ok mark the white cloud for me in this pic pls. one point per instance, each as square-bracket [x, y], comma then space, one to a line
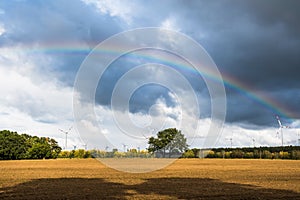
[89, 125]
[43, 100]
[295, 124]
[32, 103]
[2, 30]
[170, 23]
[117, 8]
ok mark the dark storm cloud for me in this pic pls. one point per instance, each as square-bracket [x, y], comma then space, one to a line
[248, 112]
[266, 58]
[258, 43]
[270, 12]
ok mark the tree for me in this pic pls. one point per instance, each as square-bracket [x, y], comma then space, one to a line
[188, 154]
[39, 151]
[55, 148]
[12, 146]
[79, 153]
[170, 141]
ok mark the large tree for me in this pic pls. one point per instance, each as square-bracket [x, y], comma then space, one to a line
[169, 141]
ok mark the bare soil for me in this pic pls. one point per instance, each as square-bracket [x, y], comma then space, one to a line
[184, 179]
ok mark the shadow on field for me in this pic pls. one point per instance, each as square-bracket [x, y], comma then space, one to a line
[155, 188]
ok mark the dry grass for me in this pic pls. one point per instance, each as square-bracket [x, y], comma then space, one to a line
[184, 179]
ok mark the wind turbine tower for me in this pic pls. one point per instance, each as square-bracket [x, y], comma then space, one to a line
[253, 140]
[124, 147]
[280, 129]
[85, 146]
[230, 139]
[66, 132]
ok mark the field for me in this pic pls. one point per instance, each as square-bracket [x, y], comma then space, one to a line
[184, 179]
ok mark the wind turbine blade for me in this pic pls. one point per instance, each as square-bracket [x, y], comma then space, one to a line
[279, 122]
[146, 137]
[63, 131]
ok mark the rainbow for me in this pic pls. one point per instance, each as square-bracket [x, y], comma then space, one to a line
[234, 83]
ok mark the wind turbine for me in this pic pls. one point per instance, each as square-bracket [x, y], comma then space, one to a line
[85, 146]
[253, 140]
[146, 137]
[66, 132]
[124, 147]
[230, 142]
[280, 129]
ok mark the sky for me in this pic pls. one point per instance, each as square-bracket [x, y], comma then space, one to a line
[255, 46]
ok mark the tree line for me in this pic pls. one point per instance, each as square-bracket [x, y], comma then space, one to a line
[168, 143]
[286, 152]
[14, 146]
[226, 153]
[95, 153]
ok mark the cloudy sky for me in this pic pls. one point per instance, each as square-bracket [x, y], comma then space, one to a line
[254, 44]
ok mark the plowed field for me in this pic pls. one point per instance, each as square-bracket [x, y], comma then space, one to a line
[184, 179]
